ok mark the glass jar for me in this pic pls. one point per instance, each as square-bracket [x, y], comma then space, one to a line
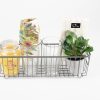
[10, 65]
[29, 43]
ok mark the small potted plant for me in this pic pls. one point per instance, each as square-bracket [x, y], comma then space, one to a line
[76, 48]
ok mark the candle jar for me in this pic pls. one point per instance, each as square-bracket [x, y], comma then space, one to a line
[10, 65]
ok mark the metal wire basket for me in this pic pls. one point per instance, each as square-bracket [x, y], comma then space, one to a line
[48, 63]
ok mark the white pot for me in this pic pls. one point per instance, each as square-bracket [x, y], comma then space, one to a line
[75, 67]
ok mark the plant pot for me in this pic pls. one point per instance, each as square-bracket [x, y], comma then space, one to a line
[75, 66]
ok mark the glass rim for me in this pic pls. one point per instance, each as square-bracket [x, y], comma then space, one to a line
[5, 42]
[56, 40]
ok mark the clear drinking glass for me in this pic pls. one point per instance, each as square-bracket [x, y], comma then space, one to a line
[10, 65]
[51, 49]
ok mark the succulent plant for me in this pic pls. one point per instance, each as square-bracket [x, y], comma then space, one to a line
[76, 46]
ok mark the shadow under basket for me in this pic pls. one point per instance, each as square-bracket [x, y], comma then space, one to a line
[44, 65]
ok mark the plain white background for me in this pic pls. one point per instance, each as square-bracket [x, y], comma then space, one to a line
[51, 14]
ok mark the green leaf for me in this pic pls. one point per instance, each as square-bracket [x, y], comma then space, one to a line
[68, 32]
[81, 43]
[88, 49]
[69, 39]
[67, 52]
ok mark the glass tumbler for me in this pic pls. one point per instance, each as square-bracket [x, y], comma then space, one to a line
[29, 43]
[10, 65]
[51, 50]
